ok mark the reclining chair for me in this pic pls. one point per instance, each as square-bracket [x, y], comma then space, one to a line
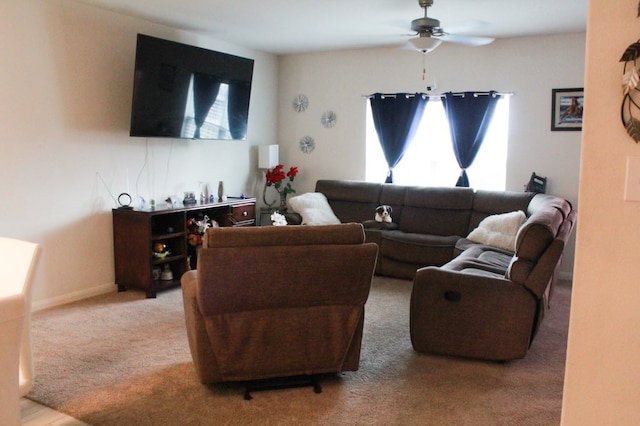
[278, 302]
[491, 309]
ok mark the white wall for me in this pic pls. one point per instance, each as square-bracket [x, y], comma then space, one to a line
[66, 74]
[530, 67]
[603, 374]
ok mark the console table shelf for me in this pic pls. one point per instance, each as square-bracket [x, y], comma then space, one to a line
[135, 231]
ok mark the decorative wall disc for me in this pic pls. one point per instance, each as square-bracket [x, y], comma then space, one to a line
[300, 103]
[328, 119]
[307, 144]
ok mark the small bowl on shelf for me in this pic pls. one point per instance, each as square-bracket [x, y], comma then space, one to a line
[161, 255]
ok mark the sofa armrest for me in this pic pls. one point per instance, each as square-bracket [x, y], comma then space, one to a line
[199, 344]
[536, 277]
[372, 224]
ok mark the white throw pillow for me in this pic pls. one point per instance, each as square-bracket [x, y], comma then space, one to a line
[314, 209]
[499, 230]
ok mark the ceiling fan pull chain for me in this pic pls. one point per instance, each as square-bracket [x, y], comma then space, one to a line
[424, 67]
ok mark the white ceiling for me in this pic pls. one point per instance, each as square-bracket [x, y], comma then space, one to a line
[295, 26]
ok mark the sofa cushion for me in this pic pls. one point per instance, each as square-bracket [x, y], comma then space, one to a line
[499, 230]
[393, 195]
[487, 203]
[420, 249]
[351, 201]
[347, 190]
[437, 211]
[484, 258]
[314, 209]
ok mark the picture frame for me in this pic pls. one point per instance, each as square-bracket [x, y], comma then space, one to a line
[567, 106]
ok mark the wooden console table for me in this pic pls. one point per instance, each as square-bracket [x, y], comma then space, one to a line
[136, 231]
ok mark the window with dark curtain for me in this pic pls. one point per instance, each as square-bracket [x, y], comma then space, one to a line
[205, 92]
[469, 115]
[238, 109]
[396, 118]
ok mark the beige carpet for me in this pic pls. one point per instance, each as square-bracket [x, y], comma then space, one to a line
[121, 359]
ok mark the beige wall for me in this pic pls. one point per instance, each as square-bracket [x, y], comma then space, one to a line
[66, 111]
[602, 385]
[66, 74]
[530, 67]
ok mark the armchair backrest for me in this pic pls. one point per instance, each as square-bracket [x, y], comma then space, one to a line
[300, 290]
[351, 233]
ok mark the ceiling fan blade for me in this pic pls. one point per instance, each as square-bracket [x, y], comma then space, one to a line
[467, 40]
[468, 27]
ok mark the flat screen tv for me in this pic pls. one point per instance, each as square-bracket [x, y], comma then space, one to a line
[187, 92]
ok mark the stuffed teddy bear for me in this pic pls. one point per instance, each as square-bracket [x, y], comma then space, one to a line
[383, 214]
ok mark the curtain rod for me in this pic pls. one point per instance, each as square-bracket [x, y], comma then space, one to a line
[426, 95]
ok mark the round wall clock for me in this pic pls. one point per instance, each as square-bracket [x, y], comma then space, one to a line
[307, 144]
[328, 119]
[300, 103]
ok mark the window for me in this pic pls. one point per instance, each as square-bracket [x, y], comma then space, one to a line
[216, 124]
[430, 161]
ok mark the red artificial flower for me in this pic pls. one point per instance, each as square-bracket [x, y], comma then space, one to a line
[277, 175]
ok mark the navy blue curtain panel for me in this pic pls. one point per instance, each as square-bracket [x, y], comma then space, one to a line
[205, 92]
[396, 118]
[237, 109]
[469, 115]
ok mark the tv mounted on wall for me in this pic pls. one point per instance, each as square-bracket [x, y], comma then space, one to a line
[187, 92]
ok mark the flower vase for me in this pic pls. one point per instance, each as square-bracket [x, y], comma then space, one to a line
[283, 202]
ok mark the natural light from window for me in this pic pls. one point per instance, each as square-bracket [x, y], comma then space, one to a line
[430, 161]
[216, 124]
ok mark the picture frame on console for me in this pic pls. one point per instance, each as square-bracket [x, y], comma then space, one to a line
[567, 106]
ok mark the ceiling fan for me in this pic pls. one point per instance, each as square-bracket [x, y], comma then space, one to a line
[430, 34]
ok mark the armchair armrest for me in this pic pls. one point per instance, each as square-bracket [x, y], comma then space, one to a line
[201, 351]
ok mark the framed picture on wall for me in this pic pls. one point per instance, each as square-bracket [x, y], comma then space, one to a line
[566, 109]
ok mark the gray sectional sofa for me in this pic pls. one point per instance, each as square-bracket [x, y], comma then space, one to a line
[469, 299]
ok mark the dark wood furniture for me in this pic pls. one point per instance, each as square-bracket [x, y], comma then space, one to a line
[136, 231]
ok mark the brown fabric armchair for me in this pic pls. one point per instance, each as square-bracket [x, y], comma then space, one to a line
[283, 301]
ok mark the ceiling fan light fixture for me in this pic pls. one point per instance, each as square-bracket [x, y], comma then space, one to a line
[425, 44]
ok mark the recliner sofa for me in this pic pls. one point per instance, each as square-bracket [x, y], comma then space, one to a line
[469, 299]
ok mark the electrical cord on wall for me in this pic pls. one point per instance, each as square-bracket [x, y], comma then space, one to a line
[166, 176]
[107, 188]
[126, 195]
[144, 166]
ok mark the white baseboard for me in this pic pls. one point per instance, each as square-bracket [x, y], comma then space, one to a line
[108, 288]
[72, 297]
